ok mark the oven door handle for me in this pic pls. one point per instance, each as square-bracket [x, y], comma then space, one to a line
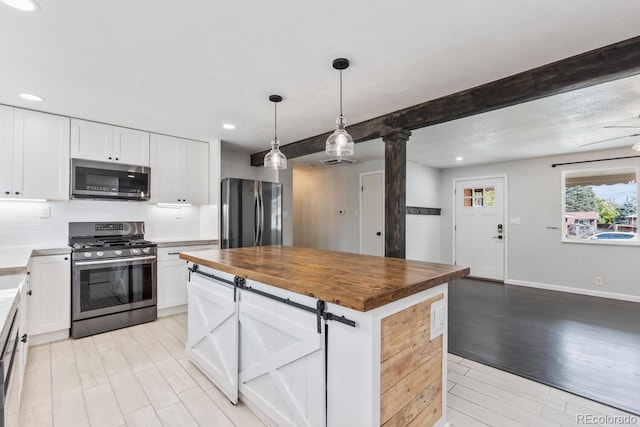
[115, 261]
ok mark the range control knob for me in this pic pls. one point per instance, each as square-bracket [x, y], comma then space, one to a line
[118, 252]
[146, 250]
[135, 251]
[87, 254]
[99, 253]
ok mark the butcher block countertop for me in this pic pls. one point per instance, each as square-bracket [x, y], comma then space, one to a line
[359, 282]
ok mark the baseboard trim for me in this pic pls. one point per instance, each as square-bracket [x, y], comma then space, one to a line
[170, 311]
[48, 337]
[588, 292]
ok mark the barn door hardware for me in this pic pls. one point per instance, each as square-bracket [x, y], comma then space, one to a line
[319, 310]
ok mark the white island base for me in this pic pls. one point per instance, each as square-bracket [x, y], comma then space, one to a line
[390, 369]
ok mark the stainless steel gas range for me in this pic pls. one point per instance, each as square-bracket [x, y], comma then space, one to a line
[113, 276]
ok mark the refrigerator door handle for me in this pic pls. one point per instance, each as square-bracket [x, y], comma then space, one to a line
[256, 213]
[261, 214]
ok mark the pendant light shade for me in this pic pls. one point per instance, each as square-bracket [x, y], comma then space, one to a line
[275, 159]
[340, 142]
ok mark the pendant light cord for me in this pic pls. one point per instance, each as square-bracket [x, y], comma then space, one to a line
[275, 120]
[341, 93]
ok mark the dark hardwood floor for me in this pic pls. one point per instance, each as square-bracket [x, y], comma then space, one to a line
[585, 345]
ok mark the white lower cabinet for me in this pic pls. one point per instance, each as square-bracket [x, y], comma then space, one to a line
[277, 367]
[384, 366]
[50, 298]
[212, 342]
[14, 392]
[172, 279]
[282, 365]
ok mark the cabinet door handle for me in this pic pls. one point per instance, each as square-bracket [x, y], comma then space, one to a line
[24, 338]
[173, 253]
[17, 192]
[7, 192]
[117, 158]
[29, 292]
[109, 158]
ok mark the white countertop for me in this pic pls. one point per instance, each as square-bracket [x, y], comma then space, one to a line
[14, 259]
[9, 291]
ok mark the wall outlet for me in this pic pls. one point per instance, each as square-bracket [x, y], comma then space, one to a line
[599, 281]
[438, 318]
[45, 212]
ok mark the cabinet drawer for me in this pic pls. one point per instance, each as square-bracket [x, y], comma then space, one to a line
[173, 253]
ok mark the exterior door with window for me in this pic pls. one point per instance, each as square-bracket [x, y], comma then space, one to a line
[479, 227]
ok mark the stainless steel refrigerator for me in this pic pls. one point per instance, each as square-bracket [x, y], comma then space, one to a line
[250, 213]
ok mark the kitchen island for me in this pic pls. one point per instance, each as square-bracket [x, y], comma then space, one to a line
[313, 337]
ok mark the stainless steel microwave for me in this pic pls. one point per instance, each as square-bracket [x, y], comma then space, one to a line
[104, 180]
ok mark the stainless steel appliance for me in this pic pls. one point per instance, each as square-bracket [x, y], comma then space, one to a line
[104, 180]
[9, 338]
[251, 213]
[113, 276]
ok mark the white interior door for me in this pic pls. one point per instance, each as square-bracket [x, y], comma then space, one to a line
[479, 227]
[372, 213]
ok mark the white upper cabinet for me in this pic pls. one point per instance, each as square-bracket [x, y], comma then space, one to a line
[106, 143]
[179, 170]
[34, 155]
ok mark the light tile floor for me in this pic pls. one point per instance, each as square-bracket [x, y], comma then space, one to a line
[140, 376]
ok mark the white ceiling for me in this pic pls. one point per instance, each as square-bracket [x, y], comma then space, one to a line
[186, 67]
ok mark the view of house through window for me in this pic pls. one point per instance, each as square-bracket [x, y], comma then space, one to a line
[601, 205]
[479, 197]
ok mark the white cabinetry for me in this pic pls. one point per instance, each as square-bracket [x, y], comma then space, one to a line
[106, 143]
[50, 299]
[172, 279]
[34, 155]
[279, 358]
[282, 361]
[179, 170]
[212, 343]
[13, 394]
[24, 328]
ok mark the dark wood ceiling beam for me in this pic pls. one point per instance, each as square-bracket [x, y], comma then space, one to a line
[586, 69]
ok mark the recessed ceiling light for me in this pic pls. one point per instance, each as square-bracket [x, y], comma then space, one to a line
[459, 159]
[24, 5]
[229, 126]
[31, 97]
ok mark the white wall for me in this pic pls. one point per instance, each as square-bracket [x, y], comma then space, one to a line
[423, 231]
[321, 192]
[536, 256]
[318, 195]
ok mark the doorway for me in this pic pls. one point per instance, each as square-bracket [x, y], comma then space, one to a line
[372, 213]
[479, 228]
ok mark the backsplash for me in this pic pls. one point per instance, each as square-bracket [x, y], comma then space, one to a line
[27, 223]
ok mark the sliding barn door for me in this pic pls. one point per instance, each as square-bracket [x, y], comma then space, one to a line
[212, 342]
[282, 362]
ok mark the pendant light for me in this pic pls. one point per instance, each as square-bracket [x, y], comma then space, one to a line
[275, 159]
[340, 142]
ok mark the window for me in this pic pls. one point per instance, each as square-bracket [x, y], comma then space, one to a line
[601, 205]
[479, 197]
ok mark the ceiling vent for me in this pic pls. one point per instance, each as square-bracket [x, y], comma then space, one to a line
[337, 161]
